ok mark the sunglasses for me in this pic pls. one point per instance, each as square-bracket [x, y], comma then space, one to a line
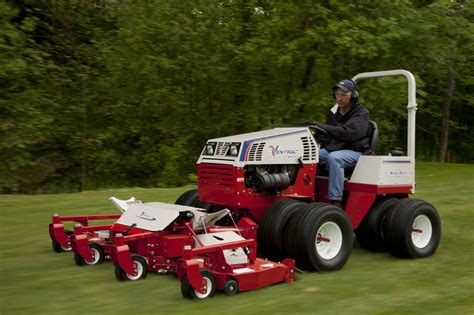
[342, 94]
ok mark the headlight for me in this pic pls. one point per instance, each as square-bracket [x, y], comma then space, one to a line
[234, 149]
[210, 148]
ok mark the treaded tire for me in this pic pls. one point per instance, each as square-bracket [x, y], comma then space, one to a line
[319, 237]
[294, 246]
[413, 229]
[188, 291]
[369, 233]
[191, 198]
[273, 225]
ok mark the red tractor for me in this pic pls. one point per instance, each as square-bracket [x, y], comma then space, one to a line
[273, 177]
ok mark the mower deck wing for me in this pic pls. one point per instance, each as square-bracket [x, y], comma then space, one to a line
[203, 220]
[123, 205]
[149, 217]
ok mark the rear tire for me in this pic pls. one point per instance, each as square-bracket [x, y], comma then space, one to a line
[413, 229]
[369, 233]
[272, 227]
[191, 198]
[319, 237]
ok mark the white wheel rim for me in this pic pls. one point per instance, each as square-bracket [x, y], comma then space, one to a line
[421, 231]
[68, 246]
[208, 289]
[328, 240]
[138, 267]
[95, 257]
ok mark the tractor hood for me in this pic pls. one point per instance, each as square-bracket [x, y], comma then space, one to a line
[274, 146]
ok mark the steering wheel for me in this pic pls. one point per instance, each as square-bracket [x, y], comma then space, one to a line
[321, 135]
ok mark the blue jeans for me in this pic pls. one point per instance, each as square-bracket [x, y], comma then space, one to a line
[336, 161]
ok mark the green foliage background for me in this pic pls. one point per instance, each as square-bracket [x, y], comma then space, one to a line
[106, 93]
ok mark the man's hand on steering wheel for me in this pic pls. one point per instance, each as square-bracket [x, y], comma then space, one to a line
[321, 135]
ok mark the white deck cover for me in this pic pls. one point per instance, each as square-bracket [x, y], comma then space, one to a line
[156, 216]
[232, 256]
[152, 217]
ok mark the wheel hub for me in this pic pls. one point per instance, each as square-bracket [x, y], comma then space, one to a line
[421, 231]
[205, 289]
[328, 240]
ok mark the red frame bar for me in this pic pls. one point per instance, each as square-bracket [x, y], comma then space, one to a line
[56, 227]
[379, 189]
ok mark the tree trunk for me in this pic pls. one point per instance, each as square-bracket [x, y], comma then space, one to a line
[84, 149]
[310, 60]
[445, 118]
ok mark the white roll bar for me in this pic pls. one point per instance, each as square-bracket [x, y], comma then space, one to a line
[411, 101]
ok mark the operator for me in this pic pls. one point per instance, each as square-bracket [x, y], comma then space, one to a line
[347, 125]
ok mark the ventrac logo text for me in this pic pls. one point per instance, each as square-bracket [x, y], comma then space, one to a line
[281, 151]
[145, 216]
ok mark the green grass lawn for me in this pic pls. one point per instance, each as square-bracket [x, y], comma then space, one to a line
[36, 280]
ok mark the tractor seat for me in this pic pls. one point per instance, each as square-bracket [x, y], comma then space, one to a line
[373, 142]
[373, 137]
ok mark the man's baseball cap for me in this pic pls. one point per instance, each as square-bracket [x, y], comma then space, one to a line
[346, 86]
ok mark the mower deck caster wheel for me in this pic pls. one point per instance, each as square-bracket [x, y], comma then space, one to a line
[139, 264]
[209, 281]
[58, 248]
[98, 256]
[231, 287]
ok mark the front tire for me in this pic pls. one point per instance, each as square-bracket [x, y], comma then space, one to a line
[191, 198]
[272, 227]
[319, 236]
[413, 229]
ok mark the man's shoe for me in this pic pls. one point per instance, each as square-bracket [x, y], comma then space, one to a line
[337, 203]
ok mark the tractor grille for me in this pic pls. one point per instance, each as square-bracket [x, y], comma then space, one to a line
[309, 146]
[215, 174]
[256, 150]
[221, 148]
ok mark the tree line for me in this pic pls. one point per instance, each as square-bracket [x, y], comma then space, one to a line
[116, 93]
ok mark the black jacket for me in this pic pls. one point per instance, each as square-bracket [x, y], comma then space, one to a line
[350, 131]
